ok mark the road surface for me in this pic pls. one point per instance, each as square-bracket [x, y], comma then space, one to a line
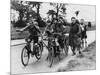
[42, 65]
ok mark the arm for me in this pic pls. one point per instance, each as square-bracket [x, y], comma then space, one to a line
[25, 28]
[21, 30]
[37, 29]
[79, 29]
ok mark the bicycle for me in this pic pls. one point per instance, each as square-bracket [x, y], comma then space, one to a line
[27, 51]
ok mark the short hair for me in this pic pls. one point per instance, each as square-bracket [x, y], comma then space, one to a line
[82, 19]
[73, 18]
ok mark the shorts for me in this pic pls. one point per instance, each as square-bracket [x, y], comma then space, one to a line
[84, 35]
[74, 41]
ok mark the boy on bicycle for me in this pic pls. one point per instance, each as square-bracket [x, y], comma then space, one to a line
[32, 27]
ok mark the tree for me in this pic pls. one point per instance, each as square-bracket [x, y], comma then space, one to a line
[25, 10]
[18, 6]
[63, 10]
[59, 8]
[37, 6]
[51, 13]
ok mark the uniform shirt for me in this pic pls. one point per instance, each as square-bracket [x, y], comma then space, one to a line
[58, 27]
[83, 27]
[33, 30]
[74, 28]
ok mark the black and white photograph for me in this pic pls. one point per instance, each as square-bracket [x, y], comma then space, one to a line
[52, 37]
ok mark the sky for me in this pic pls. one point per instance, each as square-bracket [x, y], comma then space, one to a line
[87, 12]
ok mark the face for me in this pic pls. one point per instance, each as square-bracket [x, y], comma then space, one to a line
[82, 20]
[55, 21]
[54, 16]
[73, 20]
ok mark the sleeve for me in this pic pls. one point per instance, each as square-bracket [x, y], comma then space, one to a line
[37, 29]
[79, 29]
[26, 27]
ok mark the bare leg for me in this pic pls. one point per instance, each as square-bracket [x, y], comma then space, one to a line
[73, 50]
[82, 43]
[79, 50]
[86, 43]
[66, 50]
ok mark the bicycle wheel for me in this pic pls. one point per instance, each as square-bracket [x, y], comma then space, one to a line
[38, 52]
[25, 56]
[41, 46]
[66, 46]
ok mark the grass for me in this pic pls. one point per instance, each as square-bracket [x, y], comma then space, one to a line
[86, 62]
